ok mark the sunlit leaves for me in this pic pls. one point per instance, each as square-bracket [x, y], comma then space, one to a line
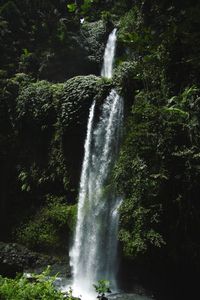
[72, 7]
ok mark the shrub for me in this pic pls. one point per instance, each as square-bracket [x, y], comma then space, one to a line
[35, 103]
[51, 227]
[102, 287]
[39, 287]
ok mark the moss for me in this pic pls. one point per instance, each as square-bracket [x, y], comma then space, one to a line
[94, 37]
[77, 95]
[126, 79]
[51, 227]
[35, 103]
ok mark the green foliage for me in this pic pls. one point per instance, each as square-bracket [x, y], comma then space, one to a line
[153, 38]
[28, 63]
[23, 177]
[36, 110]
[34, 26]
[157, 172]
[126, 78]
[94, 35]
[76, 97]
[38, 287]
[86, 5]
[38, 118]
[106, 16]
[49, 227]
[149, 55]
[72, 7]
[35, 102]
[130, 24]
[43, 123]
[70, 295]
[102, 287]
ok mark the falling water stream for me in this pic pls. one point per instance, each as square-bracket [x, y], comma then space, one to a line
[109, 55]
[93, 255]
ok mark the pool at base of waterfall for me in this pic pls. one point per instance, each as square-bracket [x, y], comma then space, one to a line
[139, 292]
[130, 296]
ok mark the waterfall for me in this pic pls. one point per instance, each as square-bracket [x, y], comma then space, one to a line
[109, 55]
[93, 255]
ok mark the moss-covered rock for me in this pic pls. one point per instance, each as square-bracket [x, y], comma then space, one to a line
[80, 53]
[43, 103]
[73, 103]
[49, 122]
[76, 96]
[125, 79]
[94, 35]
[35, 103]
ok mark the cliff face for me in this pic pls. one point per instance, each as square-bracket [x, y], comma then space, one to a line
[43, 123]
[48, 126]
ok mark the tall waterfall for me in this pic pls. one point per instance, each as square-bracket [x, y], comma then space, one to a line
[93, 255]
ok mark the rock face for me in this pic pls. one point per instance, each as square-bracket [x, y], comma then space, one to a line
[15, 258]
[58, 111]
[82, 54]
[76, 97]
[74, 100]
[94, 35]
[49, 125]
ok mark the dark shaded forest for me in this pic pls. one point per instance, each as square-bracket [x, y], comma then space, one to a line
[49, 75]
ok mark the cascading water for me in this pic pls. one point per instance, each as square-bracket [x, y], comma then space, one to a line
[93, 255]
[109, 55]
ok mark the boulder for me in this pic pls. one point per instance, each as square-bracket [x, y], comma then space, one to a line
[15, 258]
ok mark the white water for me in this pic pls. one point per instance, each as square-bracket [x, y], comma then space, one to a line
[109, 55]
[93, 255]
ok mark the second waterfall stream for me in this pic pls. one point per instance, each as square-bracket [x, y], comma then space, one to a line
[94, 250]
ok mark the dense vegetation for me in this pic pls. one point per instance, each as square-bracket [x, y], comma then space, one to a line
[43, 117]
[36, 287]
[158, 166]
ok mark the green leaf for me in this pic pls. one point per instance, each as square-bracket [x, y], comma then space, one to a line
[72, 7]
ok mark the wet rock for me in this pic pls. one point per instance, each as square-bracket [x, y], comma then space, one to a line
[15, 258]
